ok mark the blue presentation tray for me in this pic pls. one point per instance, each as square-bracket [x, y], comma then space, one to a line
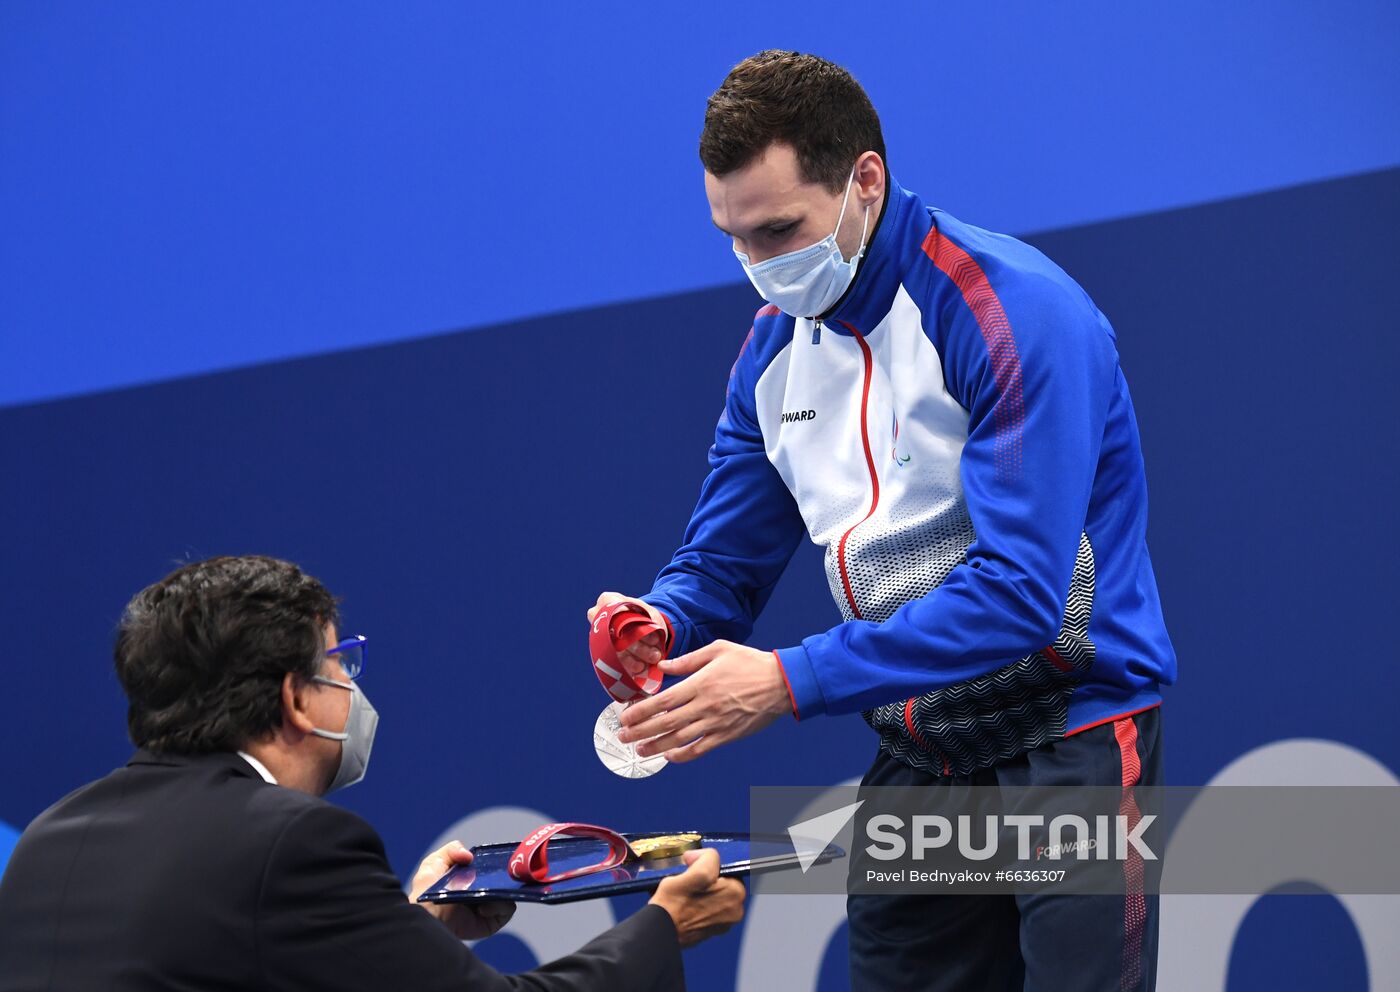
[486, 876]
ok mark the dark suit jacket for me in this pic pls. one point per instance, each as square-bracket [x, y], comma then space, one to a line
[183, 872]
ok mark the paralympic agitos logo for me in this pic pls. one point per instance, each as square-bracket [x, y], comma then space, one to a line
[519, 864]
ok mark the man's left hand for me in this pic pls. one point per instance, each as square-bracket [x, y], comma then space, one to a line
[467, 921]
[732, 691]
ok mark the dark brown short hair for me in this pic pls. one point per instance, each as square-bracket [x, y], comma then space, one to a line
[804, 101]
[201, 654]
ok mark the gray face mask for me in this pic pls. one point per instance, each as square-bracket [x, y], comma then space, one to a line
[357, 740]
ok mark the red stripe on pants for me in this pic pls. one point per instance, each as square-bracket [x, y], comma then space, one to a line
[1134, 900]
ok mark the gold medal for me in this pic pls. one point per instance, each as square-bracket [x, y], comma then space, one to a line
[668, 846]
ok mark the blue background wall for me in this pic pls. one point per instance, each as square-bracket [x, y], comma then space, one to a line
[197, 186]
[227, 232]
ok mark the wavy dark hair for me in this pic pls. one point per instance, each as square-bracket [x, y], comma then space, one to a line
[201, 654]
[804, 101]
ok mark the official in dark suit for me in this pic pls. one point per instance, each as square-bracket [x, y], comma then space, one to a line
[210, 861]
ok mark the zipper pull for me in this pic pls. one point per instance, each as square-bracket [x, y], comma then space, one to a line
[816, 332]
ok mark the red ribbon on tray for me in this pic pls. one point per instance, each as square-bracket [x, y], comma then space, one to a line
[530, 861]
[616, 628]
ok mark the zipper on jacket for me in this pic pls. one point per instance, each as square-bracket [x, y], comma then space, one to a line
[874, 502]
[840, 547]
[817, 331]
[870, 464]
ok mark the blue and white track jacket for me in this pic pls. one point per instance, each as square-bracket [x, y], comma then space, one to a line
[958, 436]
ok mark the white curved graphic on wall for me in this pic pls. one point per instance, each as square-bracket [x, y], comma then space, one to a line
[549, 931]
[785, 936]
[1198, 932]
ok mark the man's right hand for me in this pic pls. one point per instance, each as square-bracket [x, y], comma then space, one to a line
[700, 903]
[647, 650]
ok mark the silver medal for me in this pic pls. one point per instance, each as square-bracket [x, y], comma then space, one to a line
[619, 758]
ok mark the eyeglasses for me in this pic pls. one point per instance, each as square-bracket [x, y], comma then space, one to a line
[351, 655]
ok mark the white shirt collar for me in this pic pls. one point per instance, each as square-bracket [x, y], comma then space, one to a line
[258, 767]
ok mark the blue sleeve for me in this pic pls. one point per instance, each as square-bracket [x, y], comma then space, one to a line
[742, 533]
[1034, 366]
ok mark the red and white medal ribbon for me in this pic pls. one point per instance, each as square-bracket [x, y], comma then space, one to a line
[530, 861]
[616, 628]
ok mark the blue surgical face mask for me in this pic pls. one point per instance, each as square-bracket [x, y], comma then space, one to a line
[357, 740]
[809, 281]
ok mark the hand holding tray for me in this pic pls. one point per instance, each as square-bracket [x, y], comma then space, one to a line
[488, 876]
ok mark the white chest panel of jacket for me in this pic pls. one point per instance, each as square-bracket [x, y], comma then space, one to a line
[881, 493]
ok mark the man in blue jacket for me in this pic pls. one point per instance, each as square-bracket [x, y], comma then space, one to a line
[941, 409]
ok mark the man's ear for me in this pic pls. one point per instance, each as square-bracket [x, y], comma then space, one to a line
[296, 702]
[870, 178]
